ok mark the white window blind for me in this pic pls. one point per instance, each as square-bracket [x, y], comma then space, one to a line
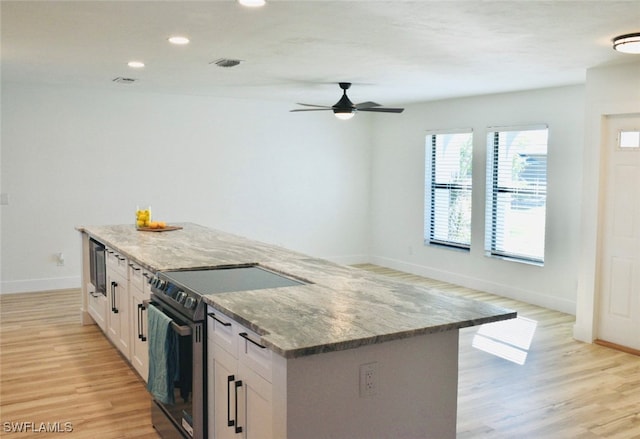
[448, 189]
[516, 193]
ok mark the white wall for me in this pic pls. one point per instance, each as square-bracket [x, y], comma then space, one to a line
[610, 90]
[398, 194]
[73, 156]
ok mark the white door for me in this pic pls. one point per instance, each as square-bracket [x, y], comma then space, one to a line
[619, 255]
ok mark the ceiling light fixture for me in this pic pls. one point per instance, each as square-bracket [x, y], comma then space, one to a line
[628, 43]
[252, 3]
[342, 115]
[179, 40]
[135, 64]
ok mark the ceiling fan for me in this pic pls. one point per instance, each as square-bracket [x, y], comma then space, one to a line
[345, 109]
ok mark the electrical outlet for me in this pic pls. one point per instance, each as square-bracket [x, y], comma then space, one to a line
[59, 259]
[368, 380]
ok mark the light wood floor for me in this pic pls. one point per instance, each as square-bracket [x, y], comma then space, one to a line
[565, 389]
[55, 370]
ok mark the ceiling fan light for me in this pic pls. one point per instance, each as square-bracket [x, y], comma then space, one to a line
[344, 115]
[628, 43]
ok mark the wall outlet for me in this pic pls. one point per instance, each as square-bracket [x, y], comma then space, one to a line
[59, 257]
[368, 380]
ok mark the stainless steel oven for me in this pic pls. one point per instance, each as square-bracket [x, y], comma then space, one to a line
[178, 294]
[183, 416]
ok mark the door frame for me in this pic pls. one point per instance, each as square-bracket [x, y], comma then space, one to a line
[610, 133]
[585, 327]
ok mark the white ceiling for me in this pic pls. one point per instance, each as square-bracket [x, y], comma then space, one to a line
[395, 52]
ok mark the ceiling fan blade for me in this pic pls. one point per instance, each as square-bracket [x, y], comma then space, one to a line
[312, 105]
[383, 110]
[310, 109]
[367, 104]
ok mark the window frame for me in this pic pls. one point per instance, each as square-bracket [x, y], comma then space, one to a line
[493, 189]
[431, 186]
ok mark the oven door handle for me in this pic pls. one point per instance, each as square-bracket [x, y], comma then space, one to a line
[182, 331]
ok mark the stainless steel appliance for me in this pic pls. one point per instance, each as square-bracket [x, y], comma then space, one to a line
[178, 294]
[185, 418]
[97, 266]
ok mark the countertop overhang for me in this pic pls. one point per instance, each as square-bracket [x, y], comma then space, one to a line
[340, 308]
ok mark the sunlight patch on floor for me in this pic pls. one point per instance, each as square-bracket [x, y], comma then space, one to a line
[508, 339]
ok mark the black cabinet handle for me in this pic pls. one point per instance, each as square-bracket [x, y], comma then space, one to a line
[246, 337]
[141, 335]
[142, 310]
[213, 316]
[113, 296]
[230, 423]
[114, 285]
[238, 384]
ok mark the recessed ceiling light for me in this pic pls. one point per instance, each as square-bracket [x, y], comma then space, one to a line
[252, 3]
[135, 64]
[179, 40]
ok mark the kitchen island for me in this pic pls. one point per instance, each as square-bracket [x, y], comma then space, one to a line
[321, 336]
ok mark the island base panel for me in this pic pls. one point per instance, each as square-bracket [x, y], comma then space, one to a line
[416, 397]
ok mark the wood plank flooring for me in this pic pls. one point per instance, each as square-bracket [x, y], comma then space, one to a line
[53, 369]
[68, 376]
[565, 389]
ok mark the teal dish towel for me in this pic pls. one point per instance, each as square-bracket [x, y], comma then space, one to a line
[163, 356]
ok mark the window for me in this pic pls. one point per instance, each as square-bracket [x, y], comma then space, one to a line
[629, 139]
[516, 193]
[448, 189]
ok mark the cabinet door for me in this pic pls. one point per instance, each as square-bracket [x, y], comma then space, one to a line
[97, 306]
[224, 400]
[256, 417]
[139, 333]
[118, 325]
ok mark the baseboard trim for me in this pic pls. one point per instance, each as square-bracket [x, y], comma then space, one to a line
[522, 295]
[348, 259]
[39, 285]
[617, 347]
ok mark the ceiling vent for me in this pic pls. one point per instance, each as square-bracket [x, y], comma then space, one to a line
[122, 80]
[226, 62]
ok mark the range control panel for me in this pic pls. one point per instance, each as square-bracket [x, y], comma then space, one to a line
[182, 299]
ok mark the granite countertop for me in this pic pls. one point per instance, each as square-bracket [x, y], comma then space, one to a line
[339, 308]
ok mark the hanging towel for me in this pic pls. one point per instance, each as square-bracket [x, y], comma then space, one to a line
[163, 356]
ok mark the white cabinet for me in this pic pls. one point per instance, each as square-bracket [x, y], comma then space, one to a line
[139, 292]
[118, 317]
[239, 386]
[97, 306]
[94, 303]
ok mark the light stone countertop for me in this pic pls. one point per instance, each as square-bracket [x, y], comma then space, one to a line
[340, 308]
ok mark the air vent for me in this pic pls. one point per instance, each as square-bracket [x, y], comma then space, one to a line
[121, 80]
[226, 62]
